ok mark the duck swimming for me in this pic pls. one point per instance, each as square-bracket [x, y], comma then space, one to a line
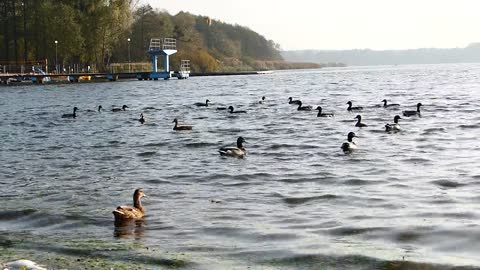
[350, 108]
[200, 104]
[413, 113]
[71, 115]
[238, 151]
[262, 101]
[320, 114]
[119, 110]
[359, 122]
[303, 108]
[291, 101]
[385, 105]
[231, 110]
[349, 146]
[177, 127]
[141, 120]
[130, 213]
[395, 127]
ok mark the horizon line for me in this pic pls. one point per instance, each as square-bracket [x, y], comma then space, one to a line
[405, 49]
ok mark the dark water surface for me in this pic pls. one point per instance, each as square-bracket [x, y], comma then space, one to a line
[295, 202]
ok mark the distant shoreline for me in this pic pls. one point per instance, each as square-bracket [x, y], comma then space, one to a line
[366, 57]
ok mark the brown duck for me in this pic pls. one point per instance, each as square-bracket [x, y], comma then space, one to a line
[178, 127]
[129, 213]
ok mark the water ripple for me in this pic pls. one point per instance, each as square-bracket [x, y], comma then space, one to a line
[405, 200]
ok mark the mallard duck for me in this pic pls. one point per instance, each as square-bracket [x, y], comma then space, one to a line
[350, 108]
[413, 113]
[292, 101]
[303, 108]
[320, 114]
[71, 115]
[129, 213]
[238, 151]
[385, 105]
[141, 120]
[201, 104]
[177, 127]
[359, 122]
[120, 109]
[349, 146]
[395, 127]
[231, 110]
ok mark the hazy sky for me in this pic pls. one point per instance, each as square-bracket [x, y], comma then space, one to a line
[346, 24]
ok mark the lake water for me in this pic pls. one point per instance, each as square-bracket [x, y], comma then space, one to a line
[295, 202]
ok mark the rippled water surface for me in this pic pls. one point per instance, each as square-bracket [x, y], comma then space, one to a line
[295, 202]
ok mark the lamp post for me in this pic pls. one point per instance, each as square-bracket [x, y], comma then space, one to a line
[56, 56]
[129, 62]
[25, 49]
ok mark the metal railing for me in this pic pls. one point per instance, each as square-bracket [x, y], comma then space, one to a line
[169, 44]
[185, 65]
[39, 68]
[157, 44]
[127, 67]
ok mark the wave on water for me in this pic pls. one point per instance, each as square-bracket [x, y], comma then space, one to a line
[359, 182]
[200, 145]
[23, 124]
[352, 262]
[147, 154]
[15, 214]
[429, 131]
[302, 200]
[348, 231]
[448, 183]
[472, 126]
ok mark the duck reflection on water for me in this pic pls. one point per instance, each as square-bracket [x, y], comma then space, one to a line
[128, 228]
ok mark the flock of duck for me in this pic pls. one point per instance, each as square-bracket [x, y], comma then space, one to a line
[350, 146]
[124, 214]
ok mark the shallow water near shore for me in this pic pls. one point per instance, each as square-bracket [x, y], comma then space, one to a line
[403, 200]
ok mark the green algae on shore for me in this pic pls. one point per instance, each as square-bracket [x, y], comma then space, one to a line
[92, 254]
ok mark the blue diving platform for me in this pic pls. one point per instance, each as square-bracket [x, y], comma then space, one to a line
[160, 48]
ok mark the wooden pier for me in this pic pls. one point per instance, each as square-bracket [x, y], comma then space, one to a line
[71, 77]
[6, 79]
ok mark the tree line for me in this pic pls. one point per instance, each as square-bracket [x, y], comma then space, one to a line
[98, 33]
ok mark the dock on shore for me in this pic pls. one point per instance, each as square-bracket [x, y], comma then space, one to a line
[7, 79]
